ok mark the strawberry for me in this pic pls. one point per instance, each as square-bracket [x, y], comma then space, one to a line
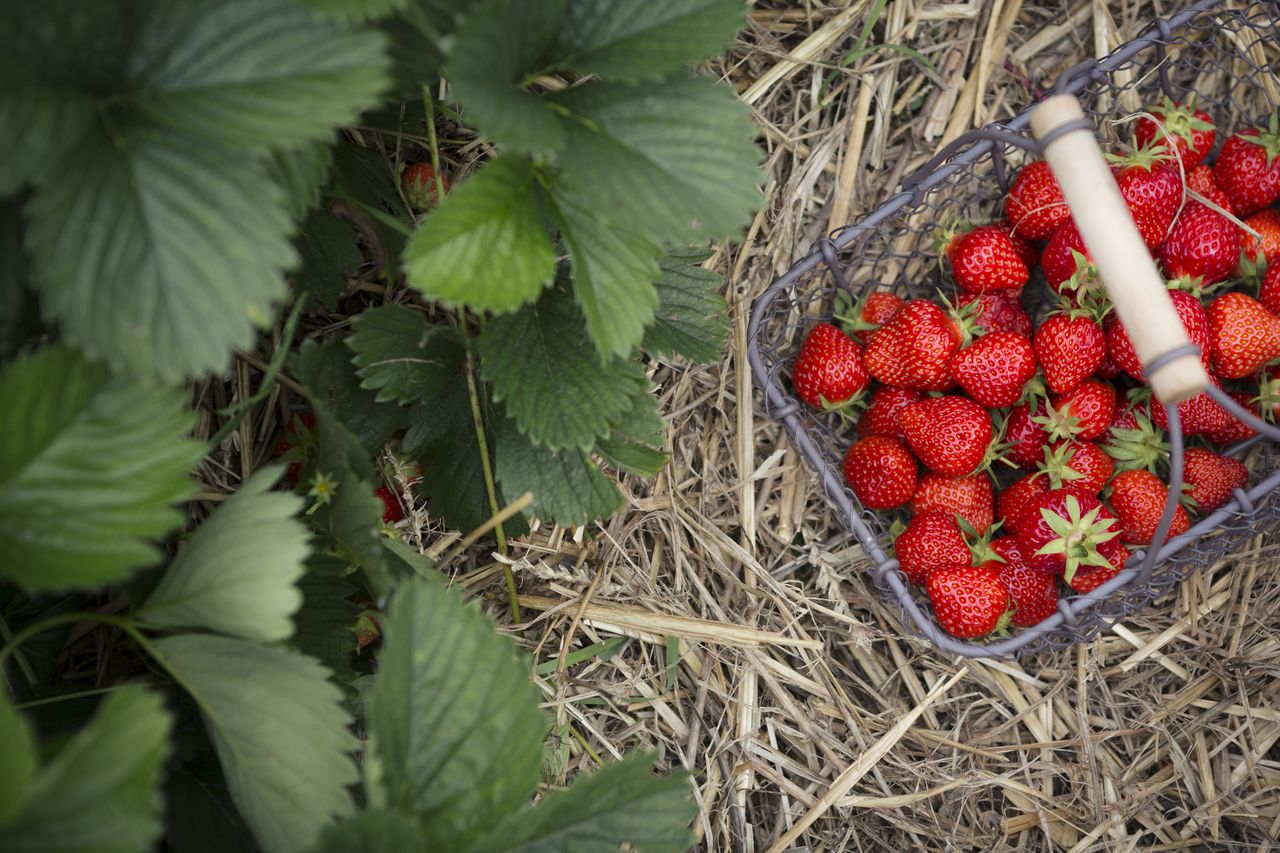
[1138, 497]
[1191, 132]
[1083, 413]
[1024, 435]
[1133, 441]
[292, 438]
[1059, 532]
[1035, 204]
[950, 435]
[391, 509]
[861, 321]
[1194, 320]
[1070, 347]
[881, 472]
[1028, 251]
[930, 540]
[1017, 493]
[1247, 168]
[1203, 244]
[969, 497]
[882, 414]
[1090, 578]
[1067, 265]
[1230, 429]
[994, 368]
[1081, 467]
[418, 181]
[1200, 414]
[986, 259]
[1267, 223]
[1152, 189]
[1269, 289]
[1000, 311]
[1200, 180]
[1245, 335]
[829, 372]
[911, 350]
[1034, 594]
[968, 601]
[1212, 478]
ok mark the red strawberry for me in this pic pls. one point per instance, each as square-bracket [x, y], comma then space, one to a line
[1245, 335]
[418, 182]
[292, 438]
[1059, 531]
[986, 259]
[1190, 130]
[950, 435]
[931, 540]
[1000, 311]
[1035, 205]
[881, 472]
[872, 312]
[1269, 289]
[969, 497]
[1212, 477]
[1028, 251]
[1023, 434]
[994, 368]
[968, 601]
[1083, 413]
[391, 509]
[1034, 594]
[1203, 244]
[911, 350]
[1138, 497]
[1194, 320]
[1070, 347]
[1019, 492]
[1230, 429]
[1247, 168]
[1077, 466]
[1200, 414]
[1090, 578]
[829, 371]
[1067, 265]
[1267, 223]
[1152, 188]
[1200, 180]
[882, 414]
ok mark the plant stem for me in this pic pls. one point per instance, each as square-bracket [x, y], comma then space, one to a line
[52, 622]
[582, 742]
[268, 378]
[429, 105]
[27, 672]
[79, 694]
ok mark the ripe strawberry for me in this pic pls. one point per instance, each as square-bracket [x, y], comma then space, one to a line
[1203, 244]
[1083, 413]
[1138, 497]
[994, 368]
[829, 372]
[1231, 429]
[418, 181]
[1067, 265]
[968, 601]
[911, 350]
[1152, 188]
[292, 438]
[986, 259]
[1034, 594]
[1000, 311]
[1194, 320]
[1191, 132]
[1017, 493]
[1247, 168]
[887, 403]
[1081, 467]
[1028, 251]
[1035, 204]
[861, 320]
[969, 497]
[1090, 578]
[1212, 478]
[1200, 414]
[881, 472]
[950, 435]
[391, 509]
[1201, 180]
[1269, 289]
[1060, 531]
[1070, 347]
[931, 540]
[1267, 223]
[1245, 335]
[1023, 435]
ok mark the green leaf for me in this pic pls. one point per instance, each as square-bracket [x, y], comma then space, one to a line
[199, 814]
[19, 759]
[669, 161]
[252, 73]
[621, 806]
[402, 356]
[613, 275]
[236, 575]
[413, 560]
[100, 792]
[692, 318]
[158, 254]
[454, 720]
[501, 43]
[354, 10]
[329, 253]
[372, 832]
[485, 246]
[549, 375]
[90, 470]
[632, 445]
[280, 731]
[568, 488]
[18, 317]
[301, 171]
[322, 625]
[331, 380]
[50, 119]
[350, 522]
[634, 41]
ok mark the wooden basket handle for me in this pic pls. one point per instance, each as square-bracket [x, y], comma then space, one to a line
[1136, 287]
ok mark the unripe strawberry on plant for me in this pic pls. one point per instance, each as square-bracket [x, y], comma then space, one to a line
[1248, 169]
[950, 435]
[1137, 498]
[994, 369]
[913, 348]
[418, 182]
[986, 258]
[1035, 205]
[968, 601]
[828, 372]
[971, 498]
[880, 471]
[1245, 335]
[1212, 478]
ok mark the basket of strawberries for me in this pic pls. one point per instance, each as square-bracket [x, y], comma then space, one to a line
[1040, 423]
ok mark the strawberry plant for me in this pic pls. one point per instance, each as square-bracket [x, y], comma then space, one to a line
[180, 177]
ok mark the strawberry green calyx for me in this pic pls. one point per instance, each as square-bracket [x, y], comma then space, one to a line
[1141, 446]
[1057, 466]
[1078, 536]
[1190, 283]
[965, 318]
[1085, 279]
[1268, 396]
[980, 543]
[1181, 119]
[1143, 157]
[1060, 424]
[1268, 140]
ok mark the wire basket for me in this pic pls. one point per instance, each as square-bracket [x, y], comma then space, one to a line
[1218, 50]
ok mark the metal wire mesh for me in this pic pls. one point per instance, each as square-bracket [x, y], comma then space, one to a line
[1215, 49]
